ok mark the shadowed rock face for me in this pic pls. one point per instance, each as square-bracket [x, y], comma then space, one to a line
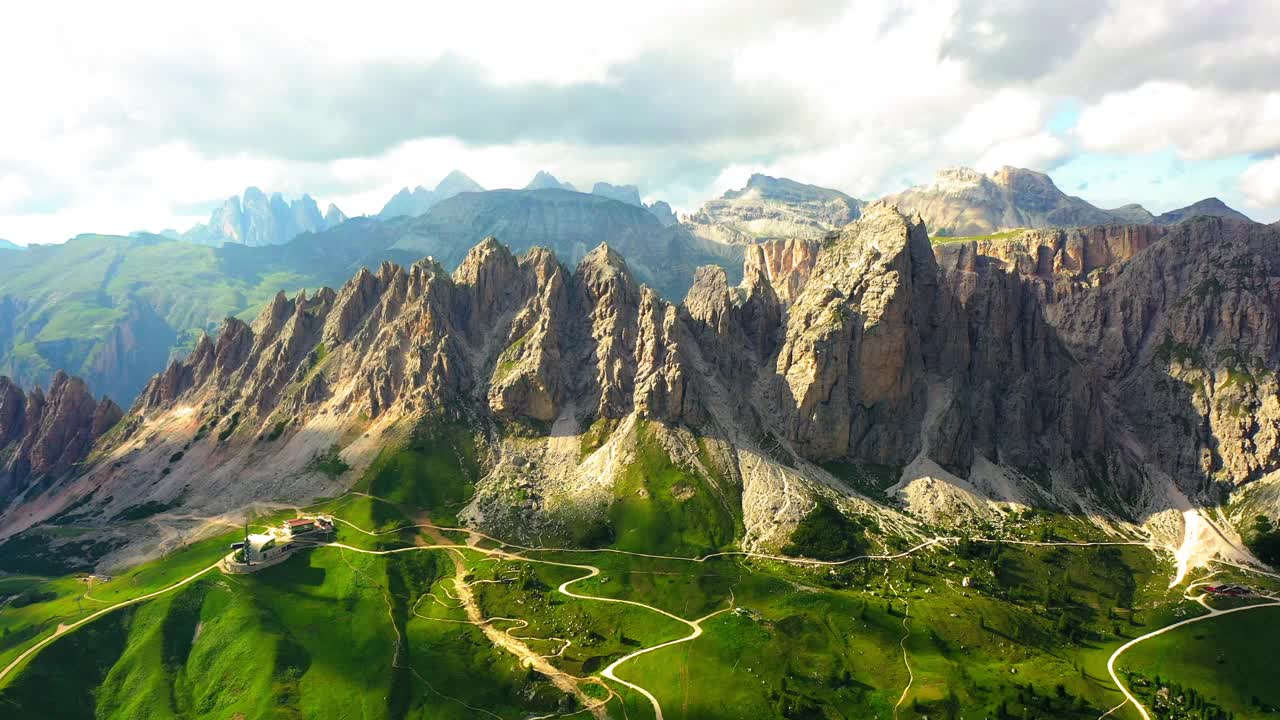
[830, 349]
[45, 435]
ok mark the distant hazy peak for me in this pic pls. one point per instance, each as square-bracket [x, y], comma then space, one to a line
[963, 201]
[1133, 213]
[456, 182]
[784, 189]
[255, 218]
[6, 245]
[1211, 206]
[411, 203]
[333, 216]
[628, 194]
[662, 210]
[545, 180]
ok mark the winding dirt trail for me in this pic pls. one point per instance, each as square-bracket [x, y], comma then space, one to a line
[570, 684]
[64, 629]
[902, 643]
[1213, 612]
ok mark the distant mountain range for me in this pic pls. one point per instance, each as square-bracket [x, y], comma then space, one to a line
[6, 245]
[412, 203]
[258, 219]
[114, 309]
[111, 309]
[965, 202]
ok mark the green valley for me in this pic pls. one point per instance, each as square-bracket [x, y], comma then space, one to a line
[380, 623]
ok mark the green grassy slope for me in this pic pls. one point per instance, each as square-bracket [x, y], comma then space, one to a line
[1225, 660]
[65, 302]
[338, 633]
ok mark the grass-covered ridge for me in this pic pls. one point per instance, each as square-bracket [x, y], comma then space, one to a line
[1002, 235]
[664, 506]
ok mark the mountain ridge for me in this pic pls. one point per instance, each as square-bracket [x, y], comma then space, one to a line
[890, 352]
[965, 202]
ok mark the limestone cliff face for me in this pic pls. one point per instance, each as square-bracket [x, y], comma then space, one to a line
[785, 265]
[1178, 324]
[1081, 358]
[852, 343]
[1186, 338]
[1066, 259]
[43, 435]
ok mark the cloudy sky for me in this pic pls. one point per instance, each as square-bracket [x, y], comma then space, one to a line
[120, 116]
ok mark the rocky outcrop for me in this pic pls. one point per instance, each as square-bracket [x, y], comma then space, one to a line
[784, 265]
[1186, 338]
[1049, 368]
[962, 202]
[773, 208]
[1064, 259]
[44, 435]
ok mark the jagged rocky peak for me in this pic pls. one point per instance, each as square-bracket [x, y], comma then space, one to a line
[544, 180]
[629, 194]
[852, 340]
[491, 283]
[604, 265]
[662, 210]
[333, 216]
[455, 183]
[263, 219]
[44, 435]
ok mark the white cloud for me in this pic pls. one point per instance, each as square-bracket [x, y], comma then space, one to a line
[1260, 183]
[13, 190]
[1041, 150]
[1198, 123]
[133, 114]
